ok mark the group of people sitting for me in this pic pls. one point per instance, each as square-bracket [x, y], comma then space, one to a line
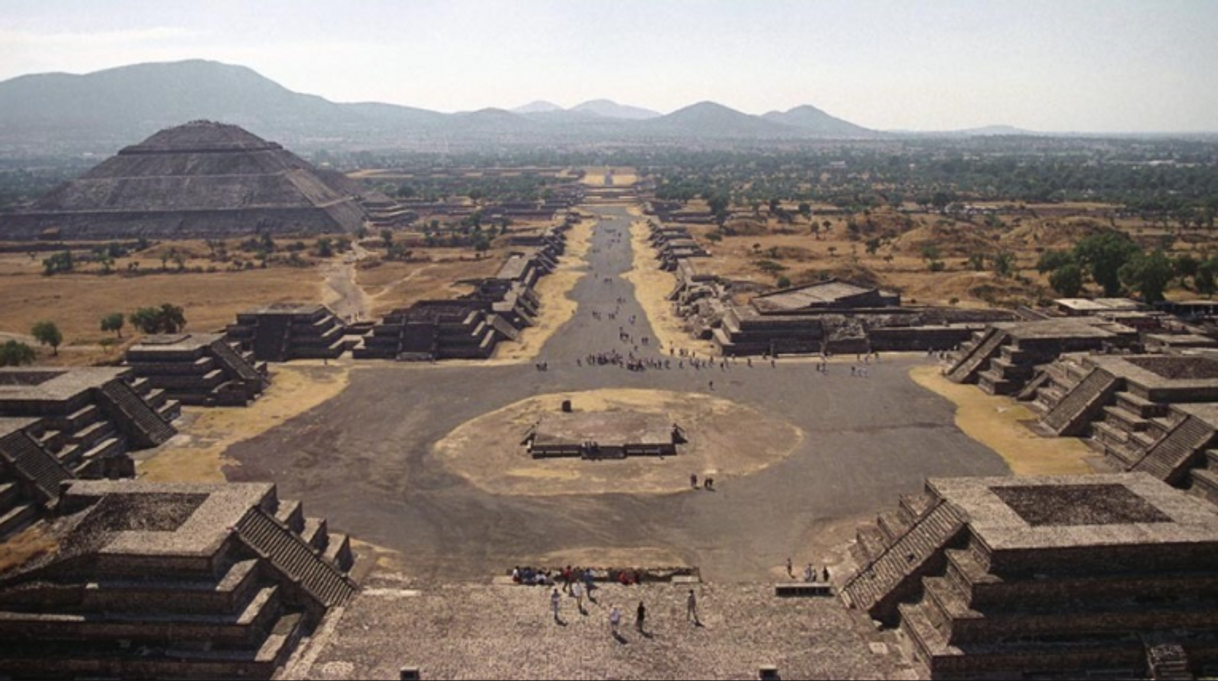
[528, 576]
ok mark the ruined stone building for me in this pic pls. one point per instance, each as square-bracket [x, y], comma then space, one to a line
[143, 580]
[200, 369]
[1064, 577]
[58, 425]
[194, 181]
[471, 327]
[283, 332]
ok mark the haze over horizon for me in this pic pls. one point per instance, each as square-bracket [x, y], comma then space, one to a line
[1085, 66]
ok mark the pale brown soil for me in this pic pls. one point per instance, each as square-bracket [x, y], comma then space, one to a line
[1000, 423]
[557, 307]
[197, 453]
[651, 286]
[723, 436]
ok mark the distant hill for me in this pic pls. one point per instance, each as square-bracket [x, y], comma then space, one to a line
[539, 106]
[109, 109]
[611, 109]
[815, 121]
[711, 120]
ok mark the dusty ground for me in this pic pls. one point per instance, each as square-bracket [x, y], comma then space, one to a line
[1001, 424]
[622, 177]
[799, 255]
[508, 632]
[554, 291]
[651, 287]
[365, 459]
[197, 454]
[77, 302]
[723, 436]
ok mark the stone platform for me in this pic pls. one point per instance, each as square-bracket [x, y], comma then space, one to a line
[603, 435]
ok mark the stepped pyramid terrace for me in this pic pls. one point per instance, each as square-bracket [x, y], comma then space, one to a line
[58, 425]
[198, 369]
[193, 181]
[282, 332]
[142, 580]
[1054, 577]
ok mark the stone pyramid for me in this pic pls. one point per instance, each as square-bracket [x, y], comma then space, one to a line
[198, 180]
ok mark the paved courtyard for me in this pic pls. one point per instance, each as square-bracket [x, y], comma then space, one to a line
[497, 632]
[364, 459]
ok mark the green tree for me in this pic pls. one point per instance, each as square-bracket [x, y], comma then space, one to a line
[58, 263]
[14, 353]
[325, 247]
[1104, 255]
[1205, 278]
[387, 238]
[164, 319]
[1185, 266]
[1004, 263]
[1148, 274]
[1067, 280]
[1055, 260]
[114, 322]
[805, 209]
[46, 333]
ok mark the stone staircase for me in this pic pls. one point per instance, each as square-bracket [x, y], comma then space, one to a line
[295, 558]
[125, 404]
[1170, 459]
[1071, 416]
[884, 582]
[237, 364]
[975, 358]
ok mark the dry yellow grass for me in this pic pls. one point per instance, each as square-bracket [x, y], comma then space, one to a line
[898, 263]
[27, 545]
[998, 423]
[557, 307]
[651, 286]
[197, 454]
[732, 441]
[76, 302]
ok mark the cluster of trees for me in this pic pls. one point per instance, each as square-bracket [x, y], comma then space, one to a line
[15, 353]
[1115, 263]
[151, 320]
[522, 188]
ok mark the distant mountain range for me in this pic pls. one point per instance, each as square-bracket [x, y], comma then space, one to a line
[111, 108]
[596, 107]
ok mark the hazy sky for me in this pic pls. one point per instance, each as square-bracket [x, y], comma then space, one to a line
[1056, 65]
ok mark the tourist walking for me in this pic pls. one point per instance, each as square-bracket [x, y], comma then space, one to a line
[615, 619]
[640, 616]
[691, 608]
[809, 573]
[577, 591]
[790, 572]
[555, 601]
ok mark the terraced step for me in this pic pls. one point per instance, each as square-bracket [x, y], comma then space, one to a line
[966, 370]
[878, 586]
[152, 427]
[34, 464]
[16, 519]
[1167, 459]
[1071, 416]
[294, 558]
[9, 495]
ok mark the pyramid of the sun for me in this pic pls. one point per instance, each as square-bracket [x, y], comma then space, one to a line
[199, 180]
